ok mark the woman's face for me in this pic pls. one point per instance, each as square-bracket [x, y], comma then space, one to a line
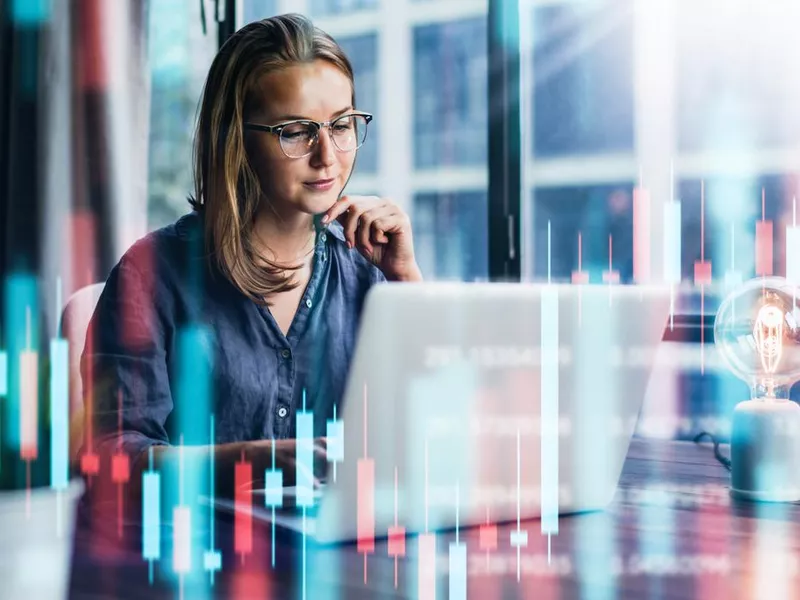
[318, 91]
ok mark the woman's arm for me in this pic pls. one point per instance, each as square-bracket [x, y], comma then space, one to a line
[258, 453]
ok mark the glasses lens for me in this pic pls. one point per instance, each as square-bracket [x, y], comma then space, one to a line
[349, 132]
[297, 139]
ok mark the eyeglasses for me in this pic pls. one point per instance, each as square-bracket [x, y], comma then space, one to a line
[299, 138]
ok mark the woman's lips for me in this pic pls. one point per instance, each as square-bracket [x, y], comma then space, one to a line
[320, 185]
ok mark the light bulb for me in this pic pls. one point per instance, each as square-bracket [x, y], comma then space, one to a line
[757, 334]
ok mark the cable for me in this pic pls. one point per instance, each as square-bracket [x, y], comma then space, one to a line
[725, 461]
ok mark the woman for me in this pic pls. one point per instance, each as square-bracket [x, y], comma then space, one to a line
[247, 308]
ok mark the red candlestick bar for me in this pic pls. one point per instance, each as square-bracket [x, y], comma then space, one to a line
[611, 276]
[764, 248]
[702, 272]
[366, 505]
[243, 499]
[488, 537]
[397, 535]
[580, 276]
[397, 540]
[90, 461]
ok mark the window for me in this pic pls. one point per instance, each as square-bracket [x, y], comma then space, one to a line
[707, 98]
[450, 235]
[255, 10]
[582, 78]
[732, 208]
[735, 90]
[600, 214]
[421, 69]
[180, 55]
[450, 105]
[363, 54]
[319, 8]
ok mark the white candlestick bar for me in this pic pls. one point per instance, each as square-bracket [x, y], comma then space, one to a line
[304, 452]
[641, 235]
[549, 408]
[151, 515]
[458, 571]
[426, 567]
[182, 543]
[59, 413]
[672, 242]
[793, 254]
[3, 373]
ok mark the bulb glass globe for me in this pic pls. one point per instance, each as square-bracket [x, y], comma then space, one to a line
[757, 334]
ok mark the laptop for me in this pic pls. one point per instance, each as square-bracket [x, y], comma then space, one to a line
[474, 403]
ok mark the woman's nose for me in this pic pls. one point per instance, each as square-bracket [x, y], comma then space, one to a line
[325, 151]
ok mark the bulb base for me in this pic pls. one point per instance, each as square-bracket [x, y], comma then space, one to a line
[765, 451]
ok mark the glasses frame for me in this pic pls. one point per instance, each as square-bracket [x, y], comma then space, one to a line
[278, 129]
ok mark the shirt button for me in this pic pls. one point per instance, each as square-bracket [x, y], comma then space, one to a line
[308, 302]
[324, 237]
[285, 353]
[282, 412]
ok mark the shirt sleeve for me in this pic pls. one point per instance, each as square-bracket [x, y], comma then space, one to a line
[126, 388]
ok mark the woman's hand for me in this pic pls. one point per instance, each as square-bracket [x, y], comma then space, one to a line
[259, 453]
[382, 233]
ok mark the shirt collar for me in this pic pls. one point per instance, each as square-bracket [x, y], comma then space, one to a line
[335, 229]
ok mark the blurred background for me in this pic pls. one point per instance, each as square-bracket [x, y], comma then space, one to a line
[675, 96]
[703, 89]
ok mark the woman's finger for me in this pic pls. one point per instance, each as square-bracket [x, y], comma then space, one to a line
[341, 205]
[351, 222]
[365, 228]
[382, 225]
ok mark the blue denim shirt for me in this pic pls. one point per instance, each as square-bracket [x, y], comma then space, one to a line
[173, 341]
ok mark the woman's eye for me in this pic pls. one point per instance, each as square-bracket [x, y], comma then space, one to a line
[295, 132]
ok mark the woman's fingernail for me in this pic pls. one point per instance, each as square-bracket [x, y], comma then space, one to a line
[349, 246]
[325, 219]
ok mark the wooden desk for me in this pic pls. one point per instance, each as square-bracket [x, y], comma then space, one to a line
[671, 532]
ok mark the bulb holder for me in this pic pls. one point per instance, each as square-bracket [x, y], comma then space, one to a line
[765, 451]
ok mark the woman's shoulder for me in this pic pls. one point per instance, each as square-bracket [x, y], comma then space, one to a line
[170, 247]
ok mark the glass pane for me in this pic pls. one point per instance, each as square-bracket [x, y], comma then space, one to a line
[255, 10]
[600, 214]
[582, 78]
[450, 235]
[706, 98]
[732, 209]
[450, 75]
[736, 75]
[180, 56]
[362, 51]
[421, 70]
[320, 8]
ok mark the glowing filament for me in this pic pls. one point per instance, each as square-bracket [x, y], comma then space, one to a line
[768, 333]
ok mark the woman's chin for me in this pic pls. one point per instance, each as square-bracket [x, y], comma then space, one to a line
[318, 204]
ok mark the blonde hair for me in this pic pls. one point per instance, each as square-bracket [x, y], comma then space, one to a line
[227, 189]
